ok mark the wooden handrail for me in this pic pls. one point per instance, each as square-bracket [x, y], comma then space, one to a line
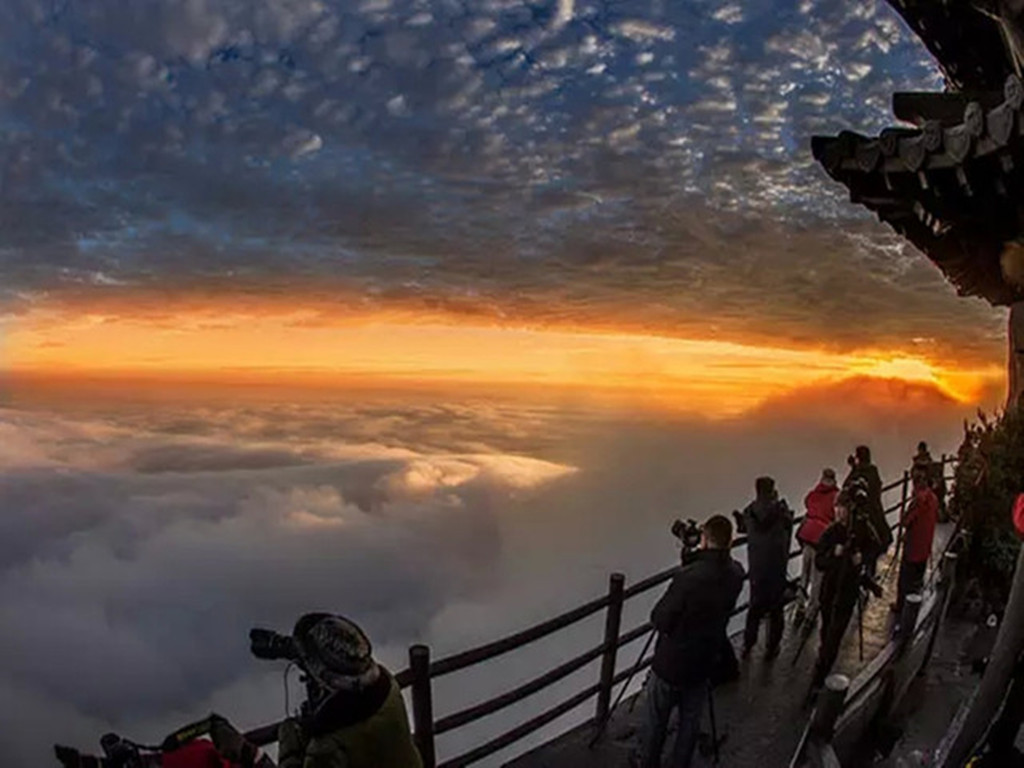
[539, 683]
[473, 656]
[523, 729]
[511, 642]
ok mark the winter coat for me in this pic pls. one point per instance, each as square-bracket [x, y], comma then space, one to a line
[875, 509]
[368, 729]
[692, 615]
[821, 511]
[919, 526]
[768, 524]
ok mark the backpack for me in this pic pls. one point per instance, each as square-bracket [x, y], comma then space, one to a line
[199, 753]
[209, 743]
[1018, 515]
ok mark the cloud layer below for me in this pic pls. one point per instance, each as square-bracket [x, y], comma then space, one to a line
[141, 540]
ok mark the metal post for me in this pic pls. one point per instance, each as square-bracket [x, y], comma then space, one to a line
[612, 623]
[830, 706]
[908, 621]
[422, 704]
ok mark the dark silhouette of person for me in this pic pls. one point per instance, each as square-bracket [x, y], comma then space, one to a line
[863, 469]
[690, 619]
[768, 523]
[934, 473]
[844, 550]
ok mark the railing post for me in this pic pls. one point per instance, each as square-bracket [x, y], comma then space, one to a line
[904, 493]
[945, 593]
[612, 623]
[908, 622]
[830, 706]
[422, 704]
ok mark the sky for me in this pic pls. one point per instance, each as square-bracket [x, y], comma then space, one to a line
[443, 309]
[384, 187]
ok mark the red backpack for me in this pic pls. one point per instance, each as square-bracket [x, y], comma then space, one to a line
[196, 754]
[1018, 515]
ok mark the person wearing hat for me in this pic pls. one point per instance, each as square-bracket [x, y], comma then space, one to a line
[768, 523]
[820, 503]
[359, 719]
[861, 469]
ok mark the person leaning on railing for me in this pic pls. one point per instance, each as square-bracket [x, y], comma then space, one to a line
[690, 620]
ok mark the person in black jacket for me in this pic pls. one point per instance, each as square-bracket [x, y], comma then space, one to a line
[843, 551]
[768, 523]
[690, 620]
[861, 468]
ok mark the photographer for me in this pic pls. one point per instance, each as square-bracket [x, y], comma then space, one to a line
[690, 620]
[820, 504]
[863, 470]
[918, 533]
[359, 719]
[768, 523]
[844, 550]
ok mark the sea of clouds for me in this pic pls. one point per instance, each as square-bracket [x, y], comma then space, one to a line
[141, 539]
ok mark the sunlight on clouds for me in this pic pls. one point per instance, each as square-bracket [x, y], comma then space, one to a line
[717, 378]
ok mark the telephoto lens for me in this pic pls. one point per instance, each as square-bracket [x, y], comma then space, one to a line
[270, 645]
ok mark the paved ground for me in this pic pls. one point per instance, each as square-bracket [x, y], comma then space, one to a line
[932, 701]
[761, 715]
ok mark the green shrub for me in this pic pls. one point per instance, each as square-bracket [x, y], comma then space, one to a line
[989, 476]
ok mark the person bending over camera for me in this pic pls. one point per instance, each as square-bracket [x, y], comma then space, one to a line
[768, 523]
[690, 620]
[360, 719]
[844, 549]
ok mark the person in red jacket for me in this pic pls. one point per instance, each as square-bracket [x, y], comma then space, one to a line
[918, 532]
[820, 503]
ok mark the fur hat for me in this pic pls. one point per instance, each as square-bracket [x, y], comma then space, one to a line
[335, 652]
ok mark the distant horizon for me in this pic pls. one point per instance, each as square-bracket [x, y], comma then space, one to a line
[717, 376]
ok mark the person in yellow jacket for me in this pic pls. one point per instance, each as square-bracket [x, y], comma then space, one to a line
[359, 720]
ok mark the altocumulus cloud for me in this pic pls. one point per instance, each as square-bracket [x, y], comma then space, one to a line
[637, 163]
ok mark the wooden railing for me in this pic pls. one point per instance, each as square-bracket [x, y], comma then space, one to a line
[423, 670]
[846, 709]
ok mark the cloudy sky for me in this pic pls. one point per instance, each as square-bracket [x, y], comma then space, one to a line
[212, 184]
[445, 308]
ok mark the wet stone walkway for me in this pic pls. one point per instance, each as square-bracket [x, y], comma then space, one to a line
[761, 715]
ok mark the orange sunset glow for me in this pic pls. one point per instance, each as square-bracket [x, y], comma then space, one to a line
[718, 378]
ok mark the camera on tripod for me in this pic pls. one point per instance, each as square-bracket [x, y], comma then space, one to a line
[689, 533]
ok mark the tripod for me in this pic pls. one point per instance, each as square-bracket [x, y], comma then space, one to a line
[601, 726]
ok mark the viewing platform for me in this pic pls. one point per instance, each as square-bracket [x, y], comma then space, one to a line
[761, 715]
